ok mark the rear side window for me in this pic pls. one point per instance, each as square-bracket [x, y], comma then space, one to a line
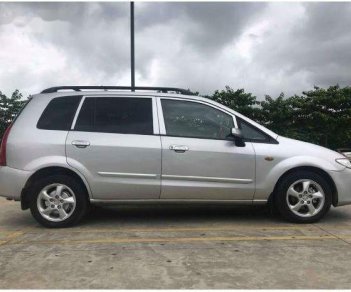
[59, 113]
[116, 115]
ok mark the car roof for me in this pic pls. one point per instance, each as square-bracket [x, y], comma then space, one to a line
[126, 93]
[110, 92]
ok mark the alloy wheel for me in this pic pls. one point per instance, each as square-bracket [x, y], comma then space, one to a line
[56, 202]
[305, 198]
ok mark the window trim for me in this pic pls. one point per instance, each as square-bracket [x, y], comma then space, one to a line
[155, 122]
[163, 131]
[77, 113]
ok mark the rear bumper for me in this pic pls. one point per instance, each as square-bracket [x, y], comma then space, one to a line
[342, 180]
[12, 181]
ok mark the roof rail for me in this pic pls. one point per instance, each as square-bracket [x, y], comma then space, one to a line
[80, 88]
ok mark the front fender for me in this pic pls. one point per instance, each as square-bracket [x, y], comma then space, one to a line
[267, 177]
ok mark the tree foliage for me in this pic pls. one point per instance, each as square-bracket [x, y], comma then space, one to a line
[9, 107]
[320, 116]
[238, 100]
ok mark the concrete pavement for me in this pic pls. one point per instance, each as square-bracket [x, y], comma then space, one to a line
[175, 247]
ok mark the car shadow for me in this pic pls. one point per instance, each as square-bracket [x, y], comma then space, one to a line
[197, 214]
[176, 214]
[179, 214]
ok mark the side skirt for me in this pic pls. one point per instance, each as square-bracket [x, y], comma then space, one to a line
[177, 201]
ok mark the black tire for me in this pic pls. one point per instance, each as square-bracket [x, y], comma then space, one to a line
[82, 201]
[281, 193]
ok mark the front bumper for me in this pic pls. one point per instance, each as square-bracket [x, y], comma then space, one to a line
[342, 180]
[12, 181]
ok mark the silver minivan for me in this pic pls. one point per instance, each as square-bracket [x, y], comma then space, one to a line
[73, 146]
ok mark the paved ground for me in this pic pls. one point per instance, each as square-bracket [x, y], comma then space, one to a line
[175, 247]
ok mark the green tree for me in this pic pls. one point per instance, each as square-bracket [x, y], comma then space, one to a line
[277, 115]
[238, 100]
[326, 115]
[9, 107]
[320, 116]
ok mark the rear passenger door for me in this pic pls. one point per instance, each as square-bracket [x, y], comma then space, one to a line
[114, 142]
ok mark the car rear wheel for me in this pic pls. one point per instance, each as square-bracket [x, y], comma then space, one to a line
[58, 201]
[303, 197]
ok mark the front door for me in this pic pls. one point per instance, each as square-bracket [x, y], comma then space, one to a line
[199, 162]
[116, 146]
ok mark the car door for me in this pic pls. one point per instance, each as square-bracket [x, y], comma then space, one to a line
[115, 144]
[199, 162]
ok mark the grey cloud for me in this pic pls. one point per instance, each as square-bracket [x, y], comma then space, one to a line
[327, 21]
[204, 29]
[206, 26]
[189, 43]
[94, 36]
[73, 12]
[317, 47]
[219, 23]
[327, 41]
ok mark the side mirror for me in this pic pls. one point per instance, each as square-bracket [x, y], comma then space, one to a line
[237, 133]
[238, 137]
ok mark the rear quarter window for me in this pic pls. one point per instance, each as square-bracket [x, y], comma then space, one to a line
[59, 113]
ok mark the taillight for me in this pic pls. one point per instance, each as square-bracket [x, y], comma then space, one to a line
[3, 146]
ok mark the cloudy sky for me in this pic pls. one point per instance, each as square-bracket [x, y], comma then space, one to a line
[265, 48]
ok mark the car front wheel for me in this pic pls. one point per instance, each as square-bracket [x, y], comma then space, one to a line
[303, 197]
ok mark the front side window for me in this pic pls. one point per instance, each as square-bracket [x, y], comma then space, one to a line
[250, 133]
[195, 120]
[116, 115]
[59, 113]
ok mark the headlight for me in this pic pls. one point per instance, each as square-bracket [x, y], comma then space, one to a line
[344, 162]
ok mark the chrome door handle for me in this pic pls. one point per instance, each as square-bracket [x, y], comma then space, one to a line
[179, 148]
[80, 143]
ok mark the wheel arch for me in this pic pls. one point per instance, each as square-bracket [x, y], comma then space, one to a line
[314, 169]
[50, 170]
